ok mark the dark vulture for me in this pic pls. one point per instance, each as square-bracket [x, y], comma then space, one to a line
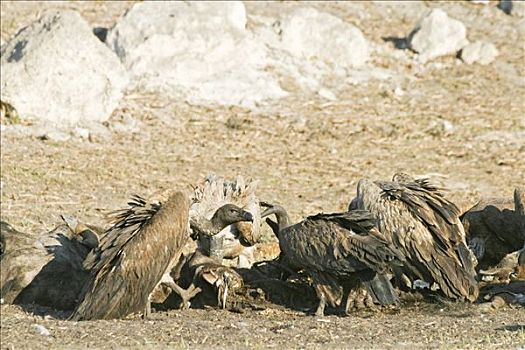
[498, 238]
[339, 252]
[45, 270]
[495, 227]
[235, 241]
[425, 226]
[132, 257]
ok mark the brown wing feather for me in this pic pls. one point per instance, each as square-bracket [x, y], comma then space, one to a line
[327, 248]
[426, 228]
[132, 258]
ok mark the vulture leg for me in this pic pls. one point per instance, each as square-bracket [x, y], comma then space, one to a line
[185, 294]
[147, 310]
[358, 299]
[322, 303]
[327, 290]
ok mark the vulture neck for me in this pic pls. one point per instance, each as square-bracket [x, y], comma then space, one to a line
[216, 224]
[205, 227]
[283, 220]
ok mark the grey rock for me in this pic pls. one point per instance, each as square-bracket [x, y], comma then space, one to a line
[200, 51]
[308, 33]
[479, 52]
[55, 135]
[57, 71]
[437, 35]
[42, 330]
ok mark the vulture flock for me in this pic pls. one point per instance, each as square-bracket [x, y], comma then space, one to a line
[179, 251]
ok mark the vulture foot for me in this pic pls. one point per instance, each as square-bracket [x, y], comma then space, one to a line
[223, 286]
[359, 299]
[185, 294]
[223, 279]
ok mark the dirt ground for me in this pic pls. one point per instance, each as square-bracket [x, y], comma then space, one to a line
[308, 155]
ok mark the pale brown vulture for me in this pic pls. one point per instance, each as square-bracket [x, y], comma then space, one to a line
[132, 257]
[138, 252]
[420, 222]
[339, 252]
[45, 270]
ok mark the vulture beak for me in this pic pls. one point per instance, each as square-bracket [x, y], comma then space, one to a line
[247, 216]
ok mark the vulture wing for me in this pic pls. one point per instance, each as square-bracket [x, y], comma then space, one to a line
[343, 245]
[426, 228]
[132, 257]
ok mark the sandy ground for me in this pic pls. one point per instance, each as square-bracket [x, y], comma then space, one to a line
[308, 155]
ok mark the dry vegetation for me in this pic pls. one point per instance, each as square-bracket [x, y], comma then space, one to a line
[308, 155]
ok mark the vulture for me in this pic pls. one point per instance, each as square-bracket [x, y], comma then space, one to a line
[497, 238]
[420, 222]
[235, 241]
[137, 254]
[196, 270]
[495, 227]
[46, 270]
[339, 252]
[132, 257]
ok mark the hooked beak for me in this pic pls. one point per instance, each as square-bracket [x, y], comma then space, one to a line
[247, 216]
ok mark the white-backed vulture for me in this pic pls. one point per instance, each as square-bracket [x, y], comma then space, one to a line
[494, 228]
[339, 252]
[132, 257]
[419, 221]
[196, 270]
[45, 270]
[231, 243]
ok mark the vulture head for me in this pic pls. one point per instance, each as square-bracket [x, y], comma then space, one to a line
[229, 214]
[217, 191]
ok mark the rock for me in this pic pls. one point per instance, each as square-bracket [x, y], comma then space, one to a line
[515, 8]
[398, 91]
[437, 35]
[205, 53]
[83, 81]
[41, 330]
[518, 8]
[327, 94]
[82, 133]
[201, 51]
[481, 52]
[308, 33]
[55, 135]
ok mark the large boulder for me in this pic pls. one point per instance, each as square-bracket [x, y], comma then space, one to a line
[436, 35]
[311, 34]
[57, 71]
[200, 51]
[209, 53]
